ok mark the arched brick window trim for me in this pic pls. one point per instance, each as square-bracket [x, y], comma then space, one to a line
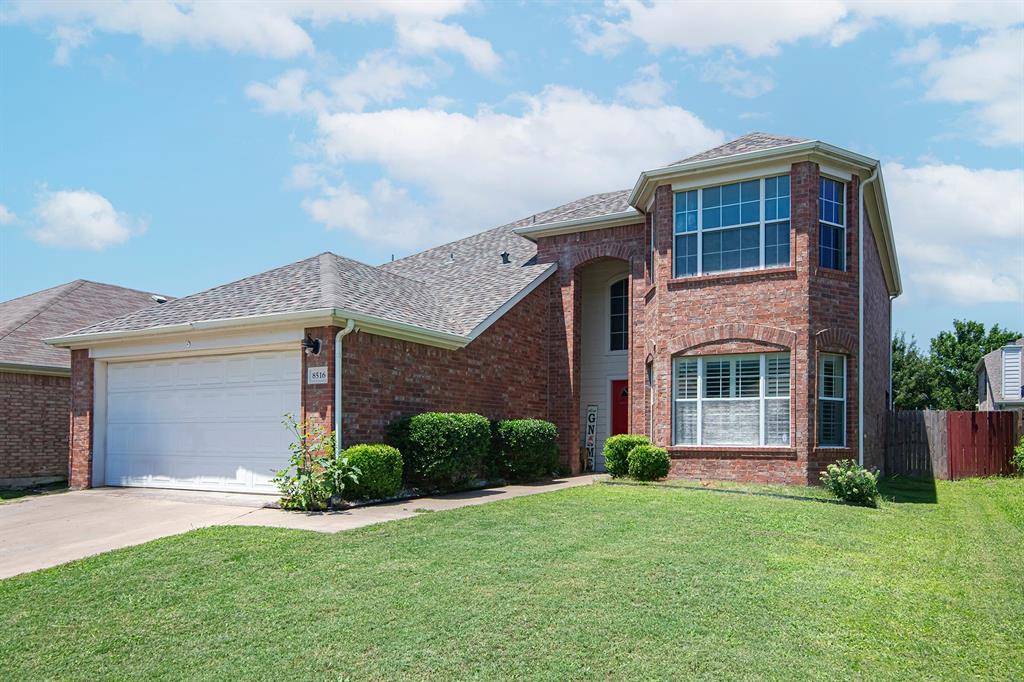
[771, 336]
[584, 255]
[835, 341]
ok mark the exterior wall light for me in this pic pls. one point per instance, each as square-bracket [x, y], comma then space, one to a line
[311, 345]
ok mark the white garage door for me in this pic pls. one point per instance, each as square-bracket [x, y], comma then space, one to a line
[202, 423]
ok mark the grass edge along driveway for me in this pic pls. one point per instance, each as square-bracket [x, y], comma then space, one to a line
[602, 581]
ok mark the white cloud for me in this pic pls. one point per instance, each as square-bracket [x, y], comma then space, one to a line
[734, 80]
[386, 215]
[377, 78]
[648, 88]
[6, 215]
[959, 231]
[81, 219]
[921, 52]
[989, 75]
[758, 28]
[262, 27]
[470, 172]
[427, 36]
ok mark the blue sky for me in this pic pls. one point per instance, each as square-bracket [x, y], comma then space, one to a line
[172, 147]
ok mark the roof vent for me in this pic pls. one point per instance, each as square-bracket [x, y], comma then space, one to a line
[504, 257]
[451, 257]
[159, 299]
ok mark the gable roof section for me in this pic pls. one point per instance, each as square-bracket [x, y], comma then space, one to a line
[449, 291]
[751, 142]
[26, 321]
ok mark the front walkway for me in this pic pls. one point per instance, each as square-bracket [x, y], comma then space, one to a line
[44, 531]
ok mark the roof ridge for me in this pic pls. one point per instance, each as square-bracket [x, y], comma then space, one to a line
[31, 315]
[328, 279]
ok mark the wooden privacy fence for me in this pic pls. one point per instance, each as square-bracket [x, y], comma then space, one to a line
[951, 445]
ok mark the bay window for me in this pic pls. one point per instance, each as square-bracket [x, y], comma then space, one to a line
[731, 400]
[832, 400]
[831, 224]
[738, 226]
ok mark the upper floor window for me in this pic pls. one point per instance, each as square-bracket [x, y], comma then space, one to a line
[742, 225]
[619, 315]
[831, 224]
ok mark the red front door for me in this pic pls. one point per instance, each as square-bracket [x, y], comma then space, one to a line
[620, 406]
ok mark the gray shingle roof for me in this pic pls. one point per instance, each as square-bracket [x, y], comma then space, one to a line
[587, 207]
[25, 321]
[751, 142]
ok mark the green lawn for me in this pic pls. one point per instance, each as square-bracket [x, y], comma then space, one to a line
[600, 582]
[9, 494]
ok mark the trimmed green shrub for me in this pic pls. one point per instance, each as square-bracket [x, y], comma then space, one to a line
[615, 450]
[647, 463]
[527, 449]
[380, 471]
[851, 483]
[441, 449]
[1018, 457]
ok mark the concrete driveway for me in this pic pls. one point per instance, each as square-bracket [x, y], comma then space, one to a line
[44, 531]
[51, 529]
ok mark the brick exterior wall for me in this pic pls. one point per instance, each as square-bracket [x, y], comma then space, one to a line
[81, 425]
[799, 308]
[503, 373]
[318, 399]
[33, 421]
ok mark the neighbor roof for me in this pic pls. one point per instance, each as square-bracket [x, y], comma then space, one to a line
[751, 142]
[25, 321]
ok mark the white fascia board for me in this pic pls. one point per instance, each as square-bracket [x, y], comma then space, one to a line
[580, 224]
[23, 368]
[316, 316]
[398, 330]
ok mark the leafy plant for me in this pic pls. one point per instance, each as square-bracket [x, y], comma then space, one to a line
[380, 471]
[852, 483]
[314, 474]
[647, 463]
[1018, 457]
[616, 448]
[527, 449]
[442, 449]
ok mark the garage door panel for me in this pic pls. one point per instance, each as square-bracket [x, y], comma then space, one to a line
[209, 423]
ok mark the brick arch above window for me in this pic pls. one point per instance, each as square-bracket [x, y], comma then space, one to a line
[732, 338]
[589, 254]
[835, 340]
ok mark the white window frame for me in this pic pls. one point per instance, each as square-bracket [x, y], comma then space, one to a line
[761, 223]
[841, 226]
[701, 399]
[821, 388]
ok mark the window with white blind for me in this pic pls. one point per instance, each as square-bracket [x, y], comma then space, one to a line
[832, 400]
[731, 400]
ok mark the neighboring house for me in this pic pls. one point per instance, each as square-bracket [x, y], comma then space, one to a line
[720, 306]
[1001, 379]
[35, 392]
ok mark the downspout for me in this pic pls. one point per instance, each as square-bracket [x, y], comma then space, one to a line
[349, 326]
[860, 317]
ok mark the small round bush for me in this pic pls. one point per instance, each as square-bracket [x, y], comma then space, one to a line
[615, 450]
[647, 463]
[1018, 457]
[527, 448]
[851, 483]
[443, 449]
[380, 471]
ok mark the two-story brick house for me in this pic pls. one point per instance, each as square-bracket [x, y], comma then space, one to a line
[729, 305]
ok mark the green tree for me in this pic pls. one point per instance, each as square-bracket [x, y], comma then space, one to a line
[953, 358]
[912, 380]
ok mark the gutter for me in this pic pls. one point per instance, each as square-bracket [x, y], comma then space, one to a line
[349, 326]
[860, 318]
[627, 217]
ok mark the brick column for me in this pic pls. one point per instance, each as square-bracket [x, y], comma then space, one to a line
[318, 399]
[81, 423]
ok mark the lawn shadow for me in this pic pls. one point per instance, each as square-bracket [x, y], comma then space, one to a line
[902, 490]
[732, 491]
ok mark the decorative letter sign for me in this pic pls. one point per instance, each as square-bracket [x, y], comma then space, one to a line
[590, 439]
[316, 375]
